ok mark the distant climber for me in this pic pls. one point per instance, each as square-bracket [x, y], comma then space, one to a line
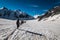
[22, 21]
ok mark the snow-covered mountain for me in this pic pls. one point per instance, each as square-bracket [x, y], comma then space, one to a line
[46, 29]
[13, 14]
[50, 13]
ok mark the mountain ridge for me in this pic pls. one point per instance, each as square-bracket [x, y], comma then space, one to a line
[50, 13]
[14, 14]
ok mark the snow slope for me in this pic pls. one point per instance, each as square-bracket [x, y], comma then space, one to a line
[6, 28]
[48, 29]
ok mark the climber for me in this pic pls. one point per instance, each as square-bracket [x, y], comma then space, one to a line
[17, 23]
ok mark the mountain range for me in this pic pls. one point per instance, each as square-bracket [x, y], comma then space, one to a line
[14, 14]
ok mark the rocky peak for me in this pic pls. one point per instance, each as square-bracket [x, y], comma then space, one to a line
[51, 12]
[4, 8]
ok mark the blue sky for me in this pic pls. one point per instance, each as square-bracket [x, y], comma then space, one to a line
[32, 7]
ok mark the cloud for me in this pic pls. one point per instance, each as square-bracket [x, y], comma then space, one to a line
[33, 5]
[45, 10]
[35, 16]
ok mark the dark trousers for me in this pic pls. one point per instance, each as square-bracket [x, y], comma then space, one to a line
[17, 25]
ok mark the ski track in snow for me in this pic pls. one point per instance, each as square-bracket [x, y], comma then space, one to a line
[31, 30]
